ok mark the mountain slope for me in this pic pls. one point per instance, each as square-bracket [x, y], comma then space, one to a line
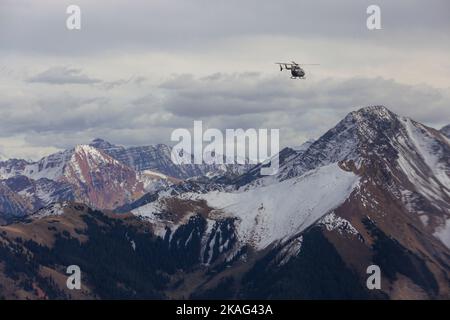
[267, 214]
[41, 192]
[11, 204]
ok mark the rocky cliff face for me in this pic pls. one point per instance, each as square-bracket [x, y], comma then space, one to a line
[446, 131]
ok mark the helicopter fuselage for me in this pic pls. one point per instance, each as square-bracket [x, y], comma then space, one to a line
[297, 72]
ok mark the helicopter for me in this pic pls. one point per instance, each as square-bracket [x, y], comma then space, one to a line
[296, 71]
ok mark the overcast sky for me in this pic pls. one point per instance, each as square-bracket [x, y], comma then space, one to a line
[139, 69]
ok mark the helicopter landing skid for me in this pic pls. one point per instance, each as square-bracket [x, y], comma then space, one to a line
[298, 78]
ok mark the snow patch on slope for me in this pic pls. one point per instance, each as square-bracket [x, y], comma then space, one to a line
[278, 211]
[443, 233]
[153, 212]
[50, 167]
[153, 181]
[333, 222]
[55, 209]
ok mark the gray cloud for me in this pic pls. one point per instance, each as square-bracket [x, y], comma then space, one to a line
[39, 26]
[139, 70]
[240, 94]
[139, 80]
[300, 109]
[63, 75]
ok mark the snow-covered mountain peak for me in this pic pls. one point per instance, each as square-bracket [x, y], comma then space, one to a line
[93, 156]
[373, 112]
[370, 123]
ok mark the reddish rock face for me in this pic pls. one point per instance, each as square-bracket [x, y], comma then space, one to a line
[100, 180]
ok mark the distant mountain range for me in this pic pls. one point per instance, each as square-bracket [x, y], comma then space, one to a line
[100, 174]
[374, 189]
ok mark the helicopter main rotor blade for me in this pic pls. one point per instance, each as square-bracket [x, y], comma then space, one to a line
[297, 64]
